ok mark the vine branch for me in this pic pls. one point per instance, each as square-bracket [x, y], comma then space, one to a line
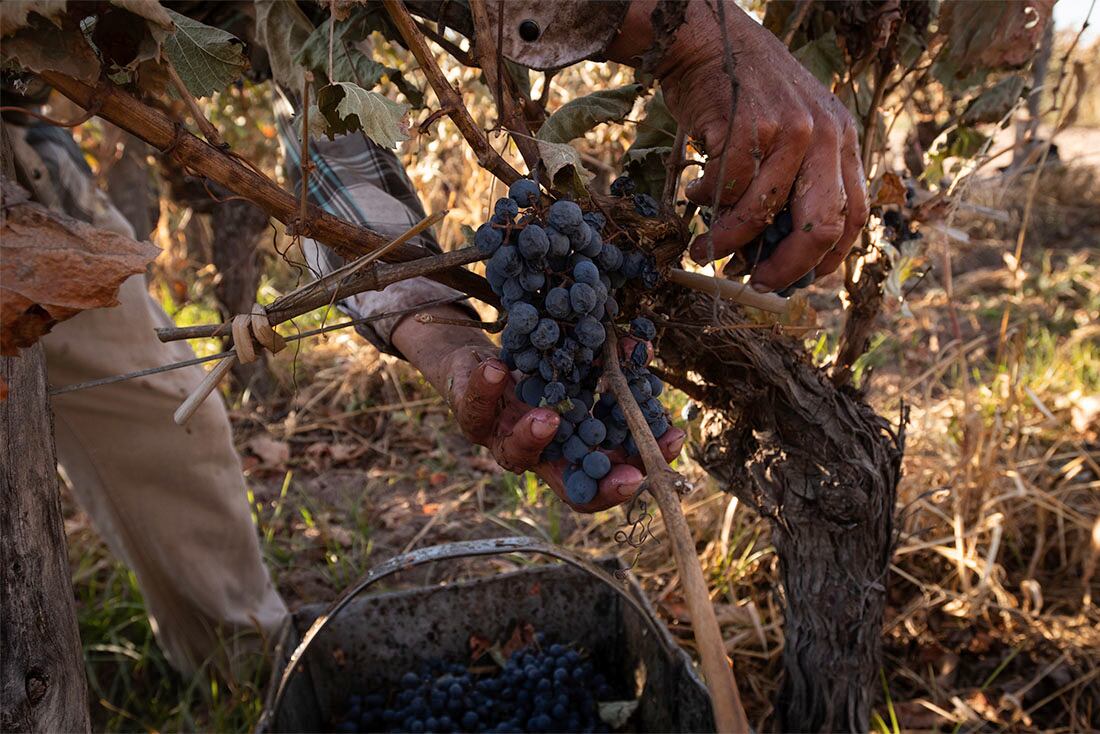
[665, 486]
[154, 127]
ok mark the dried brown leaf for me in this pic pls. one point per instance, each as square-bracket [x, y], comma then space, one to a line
[889, 190]
[272, 453]
[53, 267]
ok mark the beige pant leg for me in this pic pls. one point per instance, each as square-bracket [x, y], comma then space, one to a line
[169, 501]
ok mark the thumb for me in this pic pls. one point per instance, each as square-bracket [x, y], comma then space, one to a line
[476, 411]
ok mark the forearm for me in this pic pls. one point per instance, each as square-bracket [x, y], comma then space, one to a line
[434, 348]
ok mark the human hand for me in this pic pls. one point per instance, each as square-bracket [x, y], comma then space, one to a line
[481, 392]
[789, 139]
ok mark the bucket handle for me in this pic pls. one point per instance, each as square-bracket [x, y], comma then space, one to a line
[447, 551]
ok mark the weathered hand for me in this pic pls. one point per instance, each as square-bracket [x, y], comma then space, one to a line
[789, 138]
[481, 392]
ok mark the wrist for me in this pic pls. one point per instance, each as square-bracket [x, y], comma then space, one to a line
[436, 349]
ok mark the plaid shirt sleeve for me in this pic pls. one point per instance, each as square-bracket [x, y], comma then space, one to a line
[356, 180]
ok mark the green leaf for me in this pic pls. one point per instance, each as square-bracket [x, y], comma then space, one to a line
[349, 62]
[563, 163]
[961, 142]
[348, 107]
[574, 119]
[207, 59]
[822, 57]
[996, 102]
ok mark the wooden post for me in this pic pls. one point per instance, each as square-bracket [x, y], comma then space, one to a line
[42, 683]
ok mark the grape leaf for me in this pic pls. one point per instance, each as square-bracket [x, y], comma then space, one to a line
[348, 107]
[822, 57]
[282, 28]
[37, 245]
[563, 164]
[647, 168]
[573, 119]
[995, 34]
[207, 59]
[68, 51]
[14, 13]
[994, 103]
[657, 128]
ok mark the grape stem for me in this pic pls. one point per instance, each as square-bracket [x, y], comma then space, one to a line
[665, 485]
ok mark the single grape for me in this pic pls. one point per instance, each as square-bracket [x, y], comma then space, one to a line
[610, 257]
[532, 280]
[531, 389]
[611, 308]
[592, 431]
[590, 332]
[586, 272]
[659, 426]
[507, 260]
[533, 242]
[524, 192]
[513, 341]
[527, 360]
[577, 412]
[487, 239]
[582, 298]
[545, 334]
[643, 328]
[565, 216]
[559, 243]
[506, 207]
[512, 292]
[561, 360]
[565, 430]
[523, 318]
[639, 355]
[546, 370]
[594, 245]
[656, 387]
[574, 449]
[596, 465]
[580, 489]
[558, 303]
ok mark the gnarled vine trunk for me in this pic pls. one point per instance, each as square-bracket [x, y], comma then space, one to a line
[823, 468]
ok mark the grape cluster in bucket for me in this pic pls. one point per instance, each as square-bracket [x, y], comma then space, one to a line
[557, 276]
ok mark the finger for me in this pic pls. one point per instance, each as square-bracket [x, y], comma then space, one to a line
[617, 487]
[818, 211]
[765, 196]
[520, 450]
[855, 188]
[477, 410]
[740, 167]
[671, 444]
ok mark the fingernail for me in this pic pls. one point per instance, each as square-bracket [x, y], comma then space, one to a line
[494, 373]
[544, 426]
[760, 287]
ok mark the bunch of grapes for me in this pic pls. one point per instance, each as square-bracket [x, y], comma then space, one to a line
[551, 689]
[557, 279]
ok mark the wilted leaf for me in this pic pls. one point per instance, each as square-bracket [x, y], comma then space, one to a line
[888, 189]
[282, 28]
[151, 10]
[563, 163]
[616, 713]
[647, 167]
[348, 107]
[994, 34]
[822, 57]
[573, 119]
[53, 267]
[994, 103]
[657, 128]
[14, 13]
[272, 453]
[207, 59]
[68, 51]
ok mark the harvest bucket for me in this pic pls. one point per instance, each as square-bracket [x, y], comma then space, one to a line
[366, 642]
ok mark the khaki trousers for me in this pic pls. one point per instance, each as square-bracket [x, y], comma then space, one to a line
[169, 501]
